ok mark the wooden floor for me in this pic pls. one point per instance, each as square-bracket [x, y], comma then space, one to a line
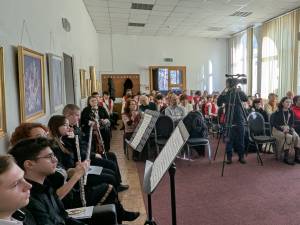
[131, 199]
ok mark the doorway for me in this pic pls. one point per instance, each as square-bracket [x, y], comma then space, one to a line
[167, 78]
[69, 79]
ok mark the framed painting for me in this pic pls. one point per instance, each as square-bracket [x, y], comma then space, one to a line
[2, 96]
[56, 82]
[31, 84]
[82, 83]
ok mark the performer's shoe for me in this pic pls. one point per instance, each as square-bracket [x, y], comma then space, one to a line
[123, 187]
[130, 216]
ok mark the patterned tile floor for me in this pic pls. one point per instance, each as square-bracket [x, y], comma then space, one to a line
[132, 198]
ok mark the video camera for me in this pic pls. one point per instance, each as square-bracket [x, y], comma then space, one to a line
[234, 80]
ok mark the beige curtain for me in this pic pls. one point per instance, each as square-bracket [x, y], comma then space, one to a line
[240, 46]
[279, 54]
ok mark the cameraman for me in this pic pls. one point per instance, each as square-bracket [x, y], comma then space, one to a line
[233, 97]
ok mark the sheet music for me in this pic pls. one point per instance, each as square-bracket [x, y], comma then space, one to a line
[137, 138]
[167, 155]
[81, 213]
[95, 170]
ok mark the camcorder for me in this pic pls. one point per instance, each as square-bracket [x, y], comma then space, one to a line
[234, 79]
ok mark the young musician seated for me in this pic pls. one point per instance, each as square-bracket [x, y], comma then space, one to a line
[34, 130]
[95, 113]
[37, 159]
[107, 160]
[15, 191]
[108, 104]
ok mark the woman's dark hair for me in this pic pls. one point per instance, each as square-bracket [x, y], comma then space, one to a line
[29, 149]
[127, 106]
[295, 99]
[183, 97]
[88, 100]
[54, 123]
[280, 105]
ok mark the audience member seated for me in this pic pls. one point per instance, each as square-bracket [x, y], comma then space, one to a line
[175, 111]
[271, 106]
[197, 100]
[290, 95]
[188, 107]
[286, 137]
[15, 192]
[160, 104]
[128, 95]
[296, 110]
[131, 118]
[196, 126]
[210, 109]
[257, 107]
[145, 104]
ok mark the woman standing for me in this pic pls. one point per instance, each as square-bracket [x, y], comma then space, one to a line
[283, 121]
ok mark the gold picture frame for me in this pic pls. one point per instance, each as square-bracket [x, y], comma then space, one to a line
[31, 84]
[2, 95]
[82, 83]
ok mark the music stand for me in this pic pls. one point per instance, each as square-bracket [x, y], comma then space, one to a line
[143, 130]
[163, 163]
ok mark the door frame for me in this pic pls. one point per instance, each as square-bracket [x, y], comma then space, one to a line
[183, 68]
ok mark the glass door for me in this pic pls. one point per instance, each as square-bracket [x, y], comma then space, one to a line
[166, 79]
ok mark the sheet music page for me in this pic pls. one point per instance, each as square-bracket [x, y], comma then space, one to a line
[147, 174]
[81, 213]
[168, 154]
[95, 170]
[137, 138]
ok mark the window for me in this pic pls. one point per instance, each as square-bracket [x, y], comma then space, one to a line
[270, 70]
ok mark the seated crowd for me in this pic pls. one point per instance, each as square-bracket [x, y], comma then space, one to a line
[45, 170]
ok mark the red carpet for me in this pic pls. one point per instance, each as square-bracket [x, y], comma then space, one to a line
[247, 194]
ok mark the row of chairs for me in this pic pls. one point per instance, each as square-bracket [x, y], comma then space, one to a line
[162, 132]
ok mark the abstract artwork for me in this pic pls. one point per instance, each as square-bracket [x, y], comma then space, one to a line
[31, 84]
[56, 82]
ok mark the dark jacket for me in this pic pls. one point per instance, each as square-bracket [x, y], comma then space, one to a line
[46, 208]
[196, 125]
[228, 98]
[87, 115]
[278, 117]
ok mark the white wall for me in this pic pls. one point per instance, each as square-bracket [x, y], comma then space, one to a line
[43, 33]
[134, 54]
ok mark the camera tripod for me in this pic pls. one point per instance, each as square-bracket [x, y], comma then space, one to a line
[234, 99]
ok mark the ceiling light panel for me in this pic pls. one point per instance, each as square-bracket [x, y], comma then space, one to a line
[141, 6]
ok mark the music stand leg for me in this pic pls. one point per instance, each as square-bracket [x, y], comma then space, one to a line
[172, 171]
[150, 220]
[224, 161]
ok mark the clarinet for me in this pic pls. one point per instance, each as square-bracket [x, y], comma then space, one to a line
[81, 181]
[88, 153]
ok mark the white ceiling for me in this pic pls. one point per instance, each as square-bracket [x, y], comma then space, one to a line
[192, 18]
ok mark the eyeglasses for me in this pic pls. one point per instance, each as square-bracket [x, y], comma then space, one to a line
[50, 156]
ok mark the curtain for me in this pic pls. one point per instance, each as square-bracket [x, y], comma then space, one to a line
[240, 46]
[280, 54]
